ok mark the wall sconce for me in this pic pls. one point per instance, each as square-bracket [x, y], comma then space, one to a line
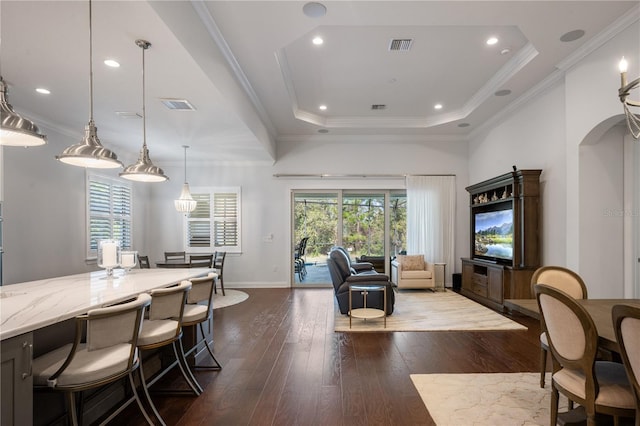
[633, 120]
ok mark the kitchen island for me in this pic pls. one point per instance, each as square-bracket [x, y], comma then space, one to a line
[35, 315]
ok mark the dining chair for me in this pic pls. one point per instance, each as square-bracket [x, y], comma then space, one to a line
[218, 265]
[201, 261]
[163, 327]
[197, 311]
[174, 255]
[626, 322]
[563, 279]
[598, 386]
[143, 262]
[108, 354]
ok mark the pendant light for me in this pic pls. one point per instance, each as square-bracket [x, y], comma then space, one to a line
[17, 130]
[185, 203]
[90, 152]
[144, 170]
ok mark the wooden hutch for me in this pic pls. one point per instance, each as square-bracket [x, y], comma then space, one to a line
[490, 280]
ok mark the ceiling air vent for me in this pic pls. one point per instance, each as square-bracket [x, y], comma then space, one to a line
[378, 106]
[128, 114]
[178, 104]
[400, 44]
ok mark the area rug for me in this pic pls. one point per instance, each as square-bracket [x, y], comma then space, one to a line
[486, 399]
[419, 310]
[231, 297]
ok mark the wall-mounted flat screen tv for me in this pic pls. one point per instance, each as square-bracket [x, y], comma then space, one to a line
[493, 234]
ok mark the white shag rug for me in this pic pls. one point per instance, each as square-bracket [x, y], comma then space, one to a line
[495, 399]
[231, 297]
[420, 310]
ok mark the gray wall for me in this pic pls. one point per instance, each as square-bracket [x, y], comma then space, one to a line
[44, 205]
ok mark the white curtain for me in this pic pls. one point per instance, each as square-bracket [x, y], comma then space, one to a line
[431, 205]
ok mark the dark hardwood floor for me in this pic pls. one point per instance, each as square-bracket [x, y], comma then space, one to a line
[284, 365]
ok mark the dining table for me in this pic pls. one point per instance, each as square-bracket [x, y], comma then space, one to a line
[598, 309]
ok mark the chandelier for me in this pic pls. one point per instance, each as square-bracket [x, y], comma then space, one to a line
[186, 203]
[633, 120]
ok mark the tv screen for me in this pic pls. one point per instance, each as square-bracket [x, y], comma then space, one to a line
[494, 234]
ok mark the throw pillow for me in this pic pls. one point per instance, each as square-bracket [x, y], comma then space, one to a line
[412, 262]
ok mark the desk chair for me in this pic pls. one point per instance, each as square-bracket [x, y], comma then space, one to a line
[562, 279]
[626, 322]
[163, 328]
[201, 261]
[174, 255]
[218, 264]
[198, 310]
[109, 354]
[598, 386]
[143, 262]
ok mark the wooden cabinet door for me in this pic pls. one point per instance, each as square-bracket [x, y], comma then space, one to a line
[17, 381]
[467, 276]
[494, 278]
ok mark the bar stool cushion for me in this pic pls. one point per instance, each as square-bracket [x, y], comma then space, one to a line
[156, 331]
[86, 366]
[195, 313]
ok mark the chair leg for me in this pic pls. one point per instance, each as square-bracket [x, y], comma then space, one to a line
[145, 388]
[543, 365]
[139, 401]
[221, 283]
[217, 365]
[184, 368]
[71, 407]
[555, 396]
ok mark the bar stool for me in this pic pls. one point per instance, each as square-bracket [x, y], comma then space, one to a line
[109, 354]
[218, 265]
[162, 328]
[198, 310]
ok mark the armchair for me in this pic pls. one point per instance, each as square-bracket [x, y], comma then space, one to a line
[342, 276]
[412, 271]
[358, 267]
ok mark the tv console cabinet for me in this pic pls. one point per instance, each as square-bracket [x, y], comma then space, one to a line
[490, 282]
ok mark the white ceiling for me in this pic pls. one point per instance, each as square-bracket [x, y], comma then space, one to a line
[254, 76]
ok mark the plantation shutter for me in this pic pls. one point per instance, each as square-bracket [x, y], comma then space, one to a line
[225, 219]
[199, 222]
[215, 223]
[109, 212]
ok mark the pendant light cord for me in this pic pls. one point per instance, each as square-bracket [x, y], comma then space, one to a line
[144, 102]
[185, 162]
[90, 65]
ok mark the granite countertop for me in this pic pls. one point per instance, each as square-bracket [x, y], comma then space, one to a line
[28, 306]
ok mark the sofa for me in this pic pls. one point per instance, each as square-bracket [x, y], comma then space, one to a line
[412, 271]
[343, 275]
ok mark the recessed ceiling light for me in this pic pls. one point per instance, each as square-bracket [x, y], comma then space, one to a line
[43, 90]
[464, 125]
[317, 41]
[503, 92]
[437, 106]
[572, 36]
[314, 10]
[111, 63]
[505, 51]
[492, 40]
[322, 107]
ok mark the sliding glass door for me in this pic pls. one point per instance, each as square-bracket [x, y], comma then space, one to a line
[371, 225]
[315, 231]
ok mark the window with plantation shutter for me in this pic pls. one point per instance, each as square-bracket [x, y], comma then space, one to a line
[215, 223]
[108, 212]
